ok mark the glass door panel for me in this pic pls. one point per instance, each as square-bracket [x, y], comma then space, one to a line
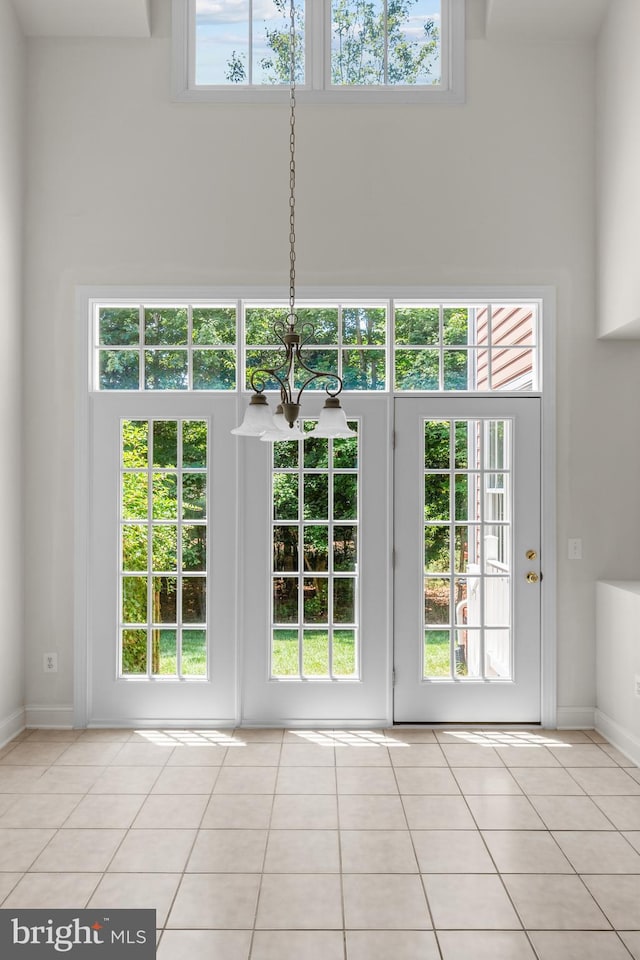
[467, 510]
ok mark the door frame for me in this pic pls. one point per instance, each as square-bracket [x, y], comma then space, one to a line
[422, 699]
[545, 296]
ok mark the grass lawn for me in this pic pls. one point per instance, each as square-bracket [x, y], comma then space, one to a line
[437, 657]
[194, 653]
[315, 653]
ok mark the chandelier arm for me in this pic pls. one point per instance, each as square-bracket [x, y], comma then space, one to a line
[258, 381]
[307, 332]
[280, 329]
[317, 375]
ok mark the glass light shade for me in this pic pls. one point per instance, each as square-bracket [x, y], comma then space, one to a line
[279, 421]
[280, 429]
[257, 418]
[274, 435]
[332, 421]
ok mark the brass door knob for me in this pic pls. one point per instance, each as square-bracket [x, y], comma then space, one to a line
[532, 577]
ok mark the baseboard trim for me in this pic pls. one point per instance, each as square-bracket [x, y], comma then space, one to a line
[375, 723]
[626, 741]
[48, 716]
[155, 723]
[11, 726]
[576, 718]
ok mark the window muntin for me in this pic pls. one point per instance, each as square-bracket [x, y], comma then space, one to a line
[386, 43]
[465, 347]
[165, 347]
[346, 50]
[163, 549]
[245, 42]
[315, 558]
[468, 522]
[431, 346]
[349, 339]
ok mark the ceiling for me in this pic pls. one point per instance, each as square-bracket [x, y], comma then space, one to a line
[536, 21]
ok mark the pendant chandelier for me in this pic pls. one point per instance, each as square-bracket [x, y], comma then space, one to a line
[294, 336]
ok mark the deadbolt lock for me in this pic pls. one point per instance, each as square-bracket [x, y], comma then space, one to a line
[532, 577]
[531, 554]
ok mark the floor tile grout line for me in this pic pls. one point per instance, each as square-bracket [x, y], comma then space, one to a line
[343, 910]
[415, 854]
[183, 872]
[575, 873]
[126, 830]
[499, 874]
[266, 847]
[547, 829]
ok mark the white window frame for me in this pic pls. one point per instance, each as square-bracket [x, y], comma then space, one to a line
[527, 383]
[87, 296]
[318, 88]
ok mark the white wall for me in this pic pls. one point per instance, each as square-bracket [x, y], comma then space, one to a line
[618, 75]
[128, 187]
[618, 663]
[12, 104]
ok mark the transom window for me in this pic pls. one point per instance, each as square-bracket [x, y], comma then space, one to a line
[242, 47]
[376, 345]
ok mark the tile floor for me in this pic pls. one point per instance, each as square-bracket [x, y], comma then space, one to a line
[403, 844]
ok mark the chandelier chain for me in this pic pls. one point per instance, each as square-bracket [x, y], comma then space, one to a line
[292, 164]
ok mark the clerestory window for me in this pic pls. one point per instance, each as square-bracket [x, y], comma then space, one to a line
[345, 49]
[374, 345]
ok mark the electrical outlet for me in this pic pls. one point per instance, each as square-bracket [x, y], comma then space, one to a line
[50, 662]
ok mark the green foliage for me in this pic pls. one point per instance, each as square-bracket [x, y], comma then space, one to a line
[119, 326]
[358, 51]
[134, 651]
[167, 458]
[439, 436]
[365, 49]
[277, 65]
[166, 326]
[214, 325]
[236, 68]
[119, 369]
[214, 368]
[419, 369]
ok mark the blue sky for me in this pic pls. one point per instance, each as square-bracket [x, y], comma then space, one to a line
[222, 27]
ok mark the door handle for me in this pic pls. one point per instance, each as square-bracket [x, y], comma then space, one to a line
[532, 577]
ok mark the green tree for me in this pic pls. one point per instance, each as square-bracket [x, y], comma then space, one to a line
[360, 34]
[367, 48]
[164, 547]
[236, 70]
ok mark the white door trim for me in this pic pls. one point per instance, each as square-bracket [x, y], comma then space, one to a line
[545, 295]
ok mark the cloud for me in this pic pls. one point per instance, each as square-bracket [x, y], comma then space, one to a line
[233, 11]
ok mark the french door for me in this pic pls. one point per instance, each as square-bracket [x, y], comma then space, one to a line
[467, 595]
[235, 580]
[162, 558]
[316, 583]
